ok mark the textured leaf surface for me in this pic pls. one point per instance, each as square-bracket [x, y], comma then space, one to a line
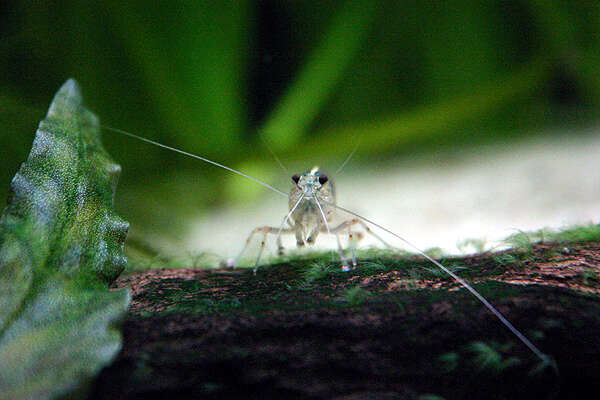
[60, 244]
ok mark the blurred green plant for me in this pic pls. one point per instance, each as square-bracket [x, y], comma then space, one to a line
[310, 78]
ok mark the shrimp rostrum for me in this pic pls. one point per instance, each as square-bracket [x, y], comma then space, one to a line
[312, 209]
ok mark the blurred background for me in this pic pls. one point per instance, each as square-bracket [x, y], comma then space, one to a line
[472, 119]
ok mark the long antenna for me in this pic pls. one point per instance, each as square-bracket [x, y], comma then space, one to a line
[339, 170]
[287, 171]
[143, 139]
[475, 293]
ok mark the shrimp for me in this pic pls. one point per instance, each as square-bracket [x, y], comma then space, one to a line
[312, 205]
[312, 208]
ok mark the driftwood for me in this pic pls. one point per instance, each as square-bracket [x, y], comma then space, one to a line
[391, 329]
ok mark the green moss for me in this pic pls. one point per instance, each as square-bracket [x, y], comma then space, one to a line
[506, 259]
[356, 295]
[313, 284]
[522, 241]
[206, 306]
[574, 234]
[487, 356]
[317, 271]
[449, 361]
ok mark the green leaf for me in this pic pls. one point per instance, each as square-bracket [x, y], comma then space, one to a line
[60, 244]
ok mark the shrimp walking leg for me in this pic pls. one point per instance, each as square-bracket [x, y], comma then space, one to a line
[265, 230]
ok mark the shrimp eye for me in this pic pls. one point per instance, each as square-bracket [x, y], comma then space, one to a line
[296, 178]
[323, 179]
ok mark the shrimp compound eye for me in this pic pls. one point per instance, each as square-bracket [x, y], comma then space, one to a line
[323, 179]
[296, 178]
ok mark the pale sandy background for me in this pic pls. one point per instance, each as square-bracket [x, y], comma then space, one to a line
[437, 201]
